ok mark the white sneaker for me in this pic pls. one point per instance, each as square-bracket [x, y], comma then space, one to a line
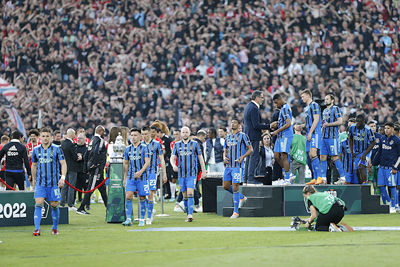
[392, 210]
[182, 206]
[292, 178]
[72, 209]
[342, 180]
[148, 221]
[334, 228]
[100, 200]
[177, 208]
[242, 202]
[286, 182]
[198, 209]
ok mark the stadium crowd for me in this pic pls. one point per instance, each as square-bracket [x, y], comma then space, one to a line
[195, 62]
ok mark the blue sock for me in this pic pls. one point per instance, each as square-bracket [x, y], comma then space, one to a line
[190, 203]
[393, 194]
[384, 195]
[150, 206]
[339, 167]
[316, 167]
[128, 208]
[324, 166]
[241, 196]
[236, 199]
[142, 208]
[55, 215]
[185, 201]
[37, 217]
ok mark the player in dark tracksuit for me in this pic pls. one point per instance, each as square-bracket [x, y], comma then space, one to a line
[389, 166]
[95, 161]
[16, 157]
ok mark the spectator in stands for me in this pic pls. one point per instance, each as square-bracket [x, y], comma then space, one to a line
[214, 152]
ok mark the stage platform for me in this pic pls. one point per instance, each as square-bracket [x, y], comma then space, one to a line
[270, 201]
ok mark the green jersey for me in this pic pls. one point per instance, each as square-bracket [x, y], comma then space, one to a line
[323, 201]
[342, 137]
[298, 149]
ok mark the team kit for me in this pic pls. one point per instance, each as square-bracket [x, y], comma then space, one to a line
[358, 147]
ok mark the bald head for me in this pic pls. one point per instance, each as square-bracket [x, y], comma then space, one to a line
[71, 133]
[185, 133]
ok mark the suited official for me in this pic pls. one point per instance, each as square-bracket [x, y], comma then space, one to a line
[253, 128]
[71, 157]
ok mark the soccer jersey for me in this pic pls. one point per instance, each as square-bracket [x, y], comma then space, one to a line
[390, 156]
[323, 201]
[136, 157]
[376, 150]
[298, 149]
[362, 138]
[331, 115]
[311, 110]
[155, 150]
[346, 156]
[284, 114]
[48, 166]
[236, 146]
[187, 155]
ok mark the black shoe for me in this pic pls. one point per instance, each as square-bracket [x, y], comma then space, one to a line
[88, 207]
[82, 212]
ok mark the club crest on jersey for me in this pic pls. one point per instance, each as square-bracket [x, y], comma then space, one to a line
[391, 142]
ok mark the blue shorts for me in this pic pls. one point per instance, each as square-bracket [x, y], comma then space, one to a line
[351, 177]
[52, 193]
[386, 178]
[358, 161]
[330, 147]
[187, 183]
[234, 175]
[139, 185]
[283, 144]
[152, 178]
[315, 142]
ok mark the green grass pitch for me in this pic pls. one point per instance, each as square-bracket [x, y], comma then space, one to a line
[89, 241]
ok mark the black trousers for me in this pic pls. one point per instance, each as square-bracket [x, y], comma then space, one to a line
[96, 176]
[15, 178]
[81, 183]
[334, 215]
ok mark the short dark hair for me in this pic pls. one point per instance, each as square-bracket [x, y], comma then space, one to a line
[351, 120]
[46, 130]
[390, 124]
[213, 130]
[222, 128]
[235, 119]
[145, 128]
[306, 91]
[56, 132]
[158, 130]
[332, 96]
[255, 94]
[134, 130]
[276, 96]
[16, 134]
[34, 131]
[360, 117]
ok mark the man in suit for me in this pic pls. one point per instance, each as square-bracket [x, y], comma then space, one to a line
[71, 157]
[253, 128]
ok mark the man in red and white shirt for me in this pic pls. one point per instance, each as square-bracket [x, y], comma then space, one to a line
[81, 131]
[34, 140]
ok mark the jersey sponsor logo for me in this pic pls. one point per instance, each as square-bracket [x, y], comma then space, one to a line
[135, 157]
[185, 153]
[386, 147]
[45, 160]
[358, 138]
[12, 154]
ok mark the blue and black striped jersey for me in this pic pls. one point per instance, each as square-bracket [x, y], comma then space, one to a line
[236, 146]
[136, 157]
[361, 138]
[155, 150]
[48, 164]
[187, 158]
[347, 159]
[285, 113]
[311, 110]
[330, 115]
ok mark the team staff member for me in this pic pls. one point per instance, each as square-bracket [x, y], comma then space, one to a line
[16, 158]
[95, 161]
[326, 209]
[46, 161]
[4, 140]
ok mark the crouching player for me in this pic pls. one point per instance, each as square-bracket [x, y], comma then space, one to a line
[136, 162]
[389, 166]
[46, 161]
[187, 152]
[325, 209]
[236, 148]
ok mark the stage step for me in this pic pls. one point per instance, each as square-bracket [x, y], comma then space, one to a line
[371, 204]
[245, 212]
